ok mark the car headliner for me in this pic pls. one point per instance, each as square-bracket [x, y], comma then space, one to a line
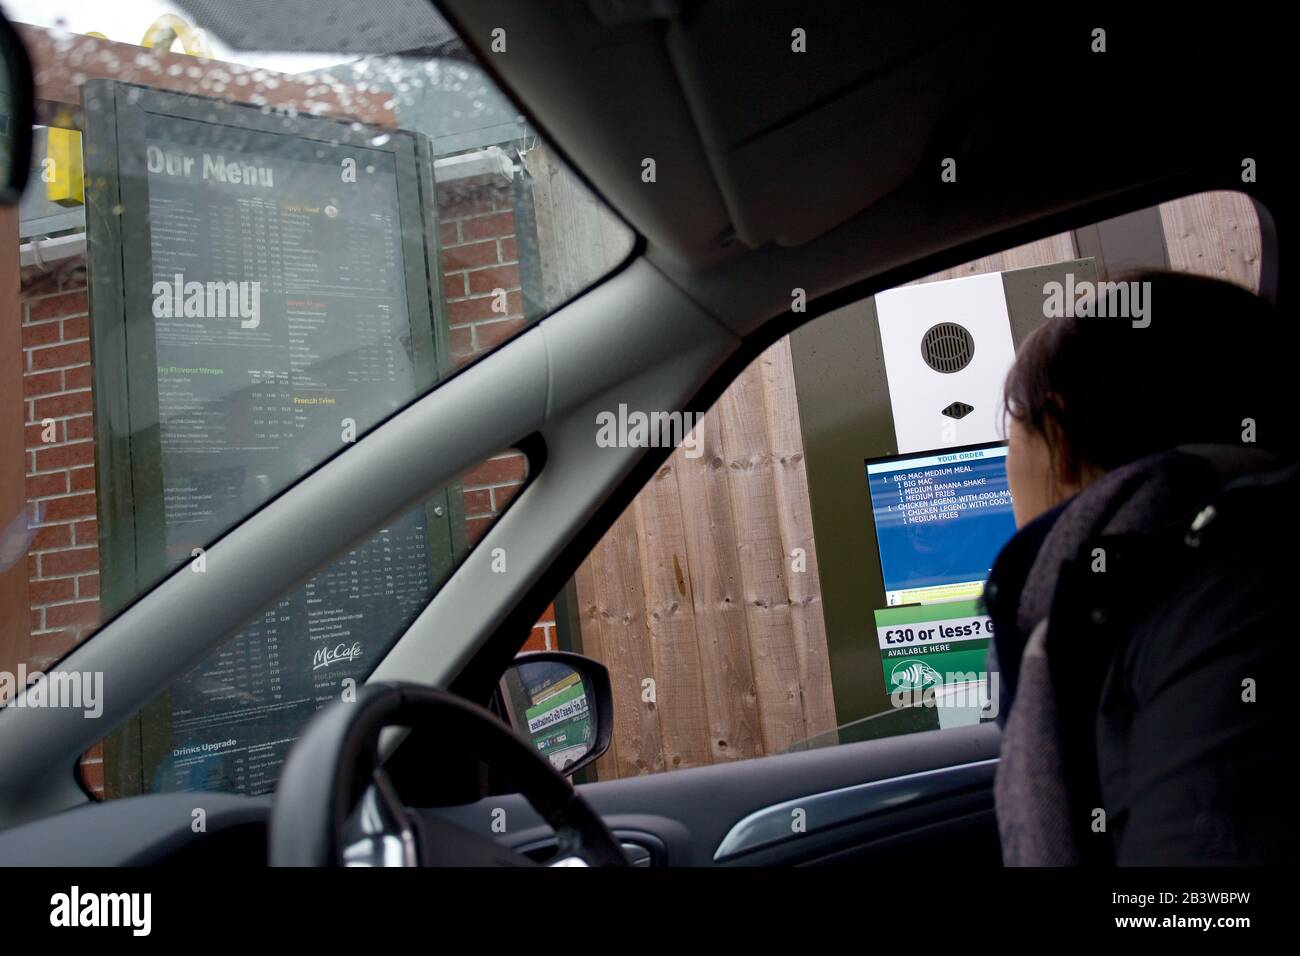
[777, 169]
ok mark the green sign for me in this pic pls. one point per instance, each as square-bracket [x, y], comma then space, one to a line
[936, 650]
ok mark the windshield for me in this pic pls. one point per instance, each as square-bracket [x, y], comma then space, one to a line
[252, 233]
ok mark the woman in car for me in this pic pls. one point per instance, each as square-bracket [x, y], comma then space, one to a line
[1143, 610]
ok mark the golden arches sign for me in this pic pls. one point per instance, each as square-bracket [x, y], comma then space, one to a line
[61, 168]
[169, 28]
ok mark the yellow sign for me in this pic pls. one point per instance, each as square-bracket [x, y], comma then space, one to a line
[62, 170]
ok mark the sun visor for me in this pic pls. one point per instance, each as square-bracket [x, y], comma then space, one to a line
[806, 130]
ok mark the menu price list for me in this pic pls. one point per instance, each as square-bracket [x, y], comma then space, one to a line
[280, 320]
[235, 716]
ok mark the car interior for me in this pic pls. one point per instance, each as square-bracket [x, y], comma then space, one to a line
[769, 164]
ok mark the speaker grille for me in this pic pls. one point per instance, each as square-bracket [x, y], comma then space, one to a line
[958, 410]
[947, 347]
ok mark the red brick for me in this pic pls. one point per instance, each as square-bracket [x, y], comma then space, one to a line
[474, 310]
[47, 592]
[77, 561]
[33, 435]
[83, 427]
[42, 486]
[536, 641]
[56, 564]
[505, 495]
[42, 383]
[492, 334]
[448, 234]
[74, 506]
[469, 256]
[65, 456]
[496, 471]
[453, 286]
[65, 303]
[60, 356]
[63, 406]
[462, 340]
[48, 648]
[92, 776]
[52, 536]
[485, 227]
[482, 281]
[87, 532]
[475, 528]
[88, 586]
[548, 616]
[72, 615]
[478, 502]
[44, 333]
[78, 328]
[80, 377]
[509, 250]
[81, 479]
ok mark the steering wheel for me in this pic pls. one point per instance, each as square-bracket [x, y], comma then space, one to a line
[335, 805]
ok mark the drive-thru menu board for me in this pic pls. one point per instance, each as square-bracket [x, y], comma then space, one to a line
[261, 289]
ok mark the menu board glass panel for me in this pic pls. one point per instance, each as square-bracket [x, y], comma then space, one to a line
[264, 290]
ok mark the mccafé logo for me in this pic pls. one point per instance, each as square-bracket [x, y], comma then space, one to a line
[327, 656]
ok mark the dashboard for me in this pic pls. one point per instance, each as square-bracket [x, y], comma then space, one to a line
[168, 829]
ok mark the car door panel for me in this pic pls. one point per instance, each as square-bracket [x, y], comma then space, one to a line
[907, 795]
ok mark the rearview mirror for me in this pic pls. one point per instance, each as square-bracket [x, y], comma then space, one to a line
[17, 111]
[561, 704]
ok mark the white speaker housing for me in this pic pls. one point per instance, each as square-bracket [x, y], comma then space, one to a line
[918, 393]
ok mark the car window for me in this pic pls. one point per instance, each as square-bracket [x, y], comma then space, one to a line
[237, 261]
[228, 724]
[806, 569]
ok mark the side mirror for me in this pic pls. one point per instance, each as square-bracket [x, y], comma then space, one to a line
[17, 113]
[562, 704]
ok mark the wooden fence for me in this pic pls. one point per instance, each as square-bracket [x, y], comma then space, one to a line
[703, 597]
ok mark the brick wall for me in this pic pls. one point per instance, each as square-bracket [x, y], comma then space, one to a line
[63, 557]
[476, 231]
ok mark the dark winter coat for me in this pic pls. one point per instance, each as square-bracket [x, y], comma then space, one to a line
[1145, 634]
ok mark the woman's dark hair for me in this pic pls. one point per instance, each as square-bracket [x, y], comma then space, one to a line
[1208, 362]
